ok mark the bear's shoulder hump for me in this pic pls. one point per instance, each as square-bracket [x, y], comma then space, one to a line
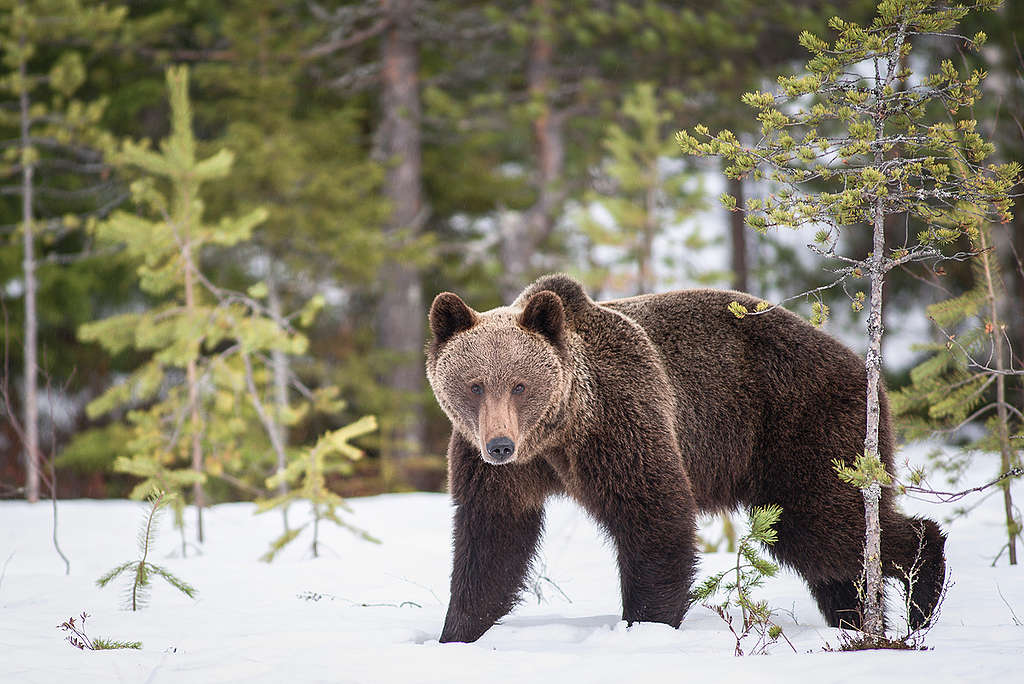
[574, 299]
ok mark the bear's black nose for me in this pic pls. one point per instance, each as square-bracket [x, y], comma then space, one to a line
[501, 448]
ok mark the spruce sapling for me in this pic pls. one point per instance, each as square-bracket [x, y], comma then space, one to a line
[141, 571]
[737, 585]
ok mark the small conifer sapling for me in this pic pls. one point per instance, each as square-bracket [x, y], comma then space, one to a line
[736, 585]
[140, 572]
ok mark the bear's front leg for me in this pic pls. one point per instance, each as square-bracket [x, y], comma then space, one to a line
[649, 510]
[499, 516]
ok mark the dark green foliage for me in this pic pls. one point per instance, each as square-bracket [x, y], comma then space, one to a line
[140, 572]
[302, 122]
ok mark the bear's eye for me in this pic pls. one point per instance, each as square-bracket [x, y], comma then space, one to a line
[518, 389]
[476, 389]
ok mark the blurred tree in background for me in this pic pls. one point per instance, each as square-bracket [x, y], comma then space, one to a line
[213, 352]
[55, 164]
[640, 196]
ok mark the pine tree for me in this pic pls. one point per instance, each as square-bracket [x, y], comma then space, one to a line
[392, 29]
[737, 584]
[887, 155]
[640, 195]
[218, 341]
[56, 157]
[952, 388]
[177, 331]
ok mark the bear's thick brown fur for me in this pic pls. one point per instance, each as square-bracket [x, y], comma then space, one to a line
[648, 410]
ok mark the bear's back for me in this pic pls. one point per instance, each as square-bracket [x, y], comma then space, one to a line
[695, 331]
[741, 383]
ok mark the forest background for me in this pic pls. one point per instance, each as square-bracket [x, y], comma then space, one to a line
[381, 152]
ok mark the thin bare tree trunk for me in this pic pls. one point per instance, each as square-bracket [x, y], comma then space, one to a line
[738, 233]
[873, 618]
[53, 503]
[521, 239]
[400, 328]
[192, 378]
[31, 322]
[646, 256]
[873, 603]
[1006, 451]
[279, 363]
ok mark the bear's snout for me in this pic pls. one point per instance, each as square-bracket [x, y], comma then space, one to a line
[500, 449]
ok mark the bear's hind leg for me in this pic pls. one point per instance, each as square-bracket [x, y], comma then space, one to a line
[838, 602]
[820, 535]
[913, 553]
[830, 558]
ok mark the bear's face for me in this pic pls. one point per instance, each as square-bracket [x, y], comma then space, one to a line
[498, 374]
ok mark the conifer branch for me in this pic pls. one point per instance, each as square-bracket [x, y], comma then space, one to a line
[952, 497]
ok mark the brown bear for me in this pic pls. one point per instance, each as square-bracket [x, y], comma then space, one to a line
[647, 411]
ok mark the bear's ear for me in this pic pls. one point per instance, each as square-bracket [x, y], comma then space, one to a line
[449, 315]
[544, 314]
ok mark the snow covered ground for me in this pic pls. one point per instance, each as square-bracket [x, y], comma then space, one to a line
[380, 608]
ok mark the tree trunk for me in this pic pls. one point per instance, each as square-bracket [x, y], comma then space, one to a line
[738, 232]
[521, 239]
[873, 618]
[401, 310]
[1006, 451]
[192, 378]
[279, 363]
[31, 365]
[646, 255]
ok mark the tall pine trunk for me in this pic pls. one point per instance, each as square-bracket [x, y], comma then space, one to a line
[279, 364]
[874, 606]
[646, 256]
[521, 238]
[873, 619]
[1006, 451]
[31, 366]
[401, 311]
[191, 372]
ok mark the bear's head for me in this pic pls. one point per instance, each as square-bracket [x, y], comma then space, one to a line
[499, 375]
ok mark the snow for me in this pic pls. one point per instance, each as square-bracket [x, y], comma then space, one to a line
[380, 607]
